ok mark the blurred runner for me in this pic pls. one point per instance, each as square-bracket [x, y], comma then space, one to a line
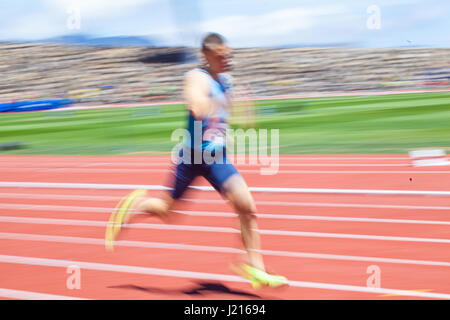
[207, 91]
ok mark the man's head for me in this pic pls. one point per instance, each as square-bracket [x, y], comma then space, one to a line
[216, 53]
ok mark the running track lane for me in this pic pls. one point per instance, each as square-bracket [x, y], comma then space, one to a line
[328, 173]
[315, 273]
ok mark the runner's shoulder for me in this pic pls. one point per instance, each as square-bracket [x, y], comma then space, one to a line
[195, 75]
[227, 80]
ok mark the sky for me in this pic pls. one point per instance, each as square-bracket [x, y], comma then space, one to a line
[245, 23]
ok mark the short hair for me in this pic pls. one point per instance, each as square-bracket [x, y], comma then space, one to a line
[211, 40]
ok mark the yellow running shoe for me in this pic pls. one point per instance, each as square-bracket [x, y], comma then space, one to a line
[259, 277]
[119, 217]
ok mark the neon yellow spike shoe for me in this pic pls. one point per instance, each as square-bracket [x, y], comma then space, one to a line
[259, 277]
[119, 216]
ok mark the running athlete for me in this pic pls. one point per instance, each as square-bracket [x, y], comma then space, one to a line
[207, 93]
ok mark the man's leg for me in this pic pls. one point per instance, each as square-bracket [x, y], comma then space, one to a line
[137, 203]
[160, 207]
[230, 183]
[236, 191]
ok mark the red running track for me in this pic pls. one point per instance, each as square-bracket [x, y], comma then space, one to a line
[323, 243]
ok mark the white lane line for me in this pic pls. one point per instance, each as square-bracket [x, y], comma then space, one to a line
[49, 207]
[337, 191]
[63, 222]
[164, 165]
[363, 158]
[211, 276]
[39, 207]
[351, 236]
[181, 246]
[94, 223]
[59, 196]
[29, 295]
[128, 243]
[308, 217]
[343, 205]
[56, 185]
[258, 171]
[166, 159]
[260, 202]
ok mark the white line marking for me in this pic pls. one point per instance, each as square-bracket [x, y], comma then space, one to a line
[344, 205]
[325, 204]
[49, 207]
[40, 207]
[325, 157]
[29, 295]
[221, 229]
[30, 162]
[336, 191]
[125, 243]
[211, 276]
[163, 165]
[348, 171]
[54, 185]
[349, 236]
[60, 196]
[260, 202]
[180, 246]
[67, 159]
[100, 170]
[307, 217]
[64, 222]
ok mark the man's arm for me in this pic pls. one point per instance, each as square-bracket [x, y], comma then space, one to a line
[196, 94]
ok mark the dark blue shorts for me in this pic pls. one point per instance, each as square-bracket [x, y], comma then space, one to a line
[215, 173]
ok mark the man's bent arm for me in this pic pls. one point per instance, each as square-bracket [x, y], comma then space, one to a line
[196, 94]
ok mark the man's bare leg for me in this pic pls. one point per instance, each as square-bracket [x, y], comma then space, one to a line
[236, 191]
[159, 207]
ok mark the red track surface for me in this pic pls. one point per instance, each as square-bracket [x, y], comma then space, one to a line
[421, 249]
